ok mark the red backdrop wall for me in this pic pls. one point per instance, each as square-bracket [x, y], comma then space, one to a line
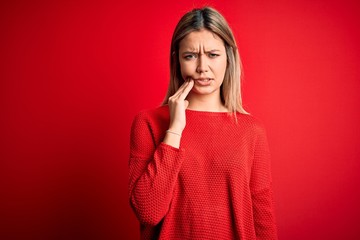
[74, 73]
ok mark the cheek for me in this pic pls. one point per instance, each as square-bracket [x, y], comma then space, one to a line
[186, 69]
[221, 67]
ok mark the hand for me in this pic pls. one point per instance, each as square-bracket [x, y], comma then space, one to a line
[177, 106]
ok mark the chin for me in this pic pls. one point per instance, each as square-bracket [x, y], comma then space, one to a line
[203, 91]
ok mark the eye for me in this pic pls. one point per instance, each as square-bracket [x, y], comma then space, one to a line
[213, 55]
[189, 56]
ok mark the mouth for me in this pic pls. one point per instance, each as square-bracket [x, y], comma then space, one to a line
[203, 81]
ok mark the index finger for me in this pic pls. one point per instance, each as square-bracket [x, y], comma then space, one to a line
[181, 89]
[187, 89]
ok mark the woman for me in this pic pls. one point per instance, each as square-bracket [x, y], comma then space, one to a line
[199, 164]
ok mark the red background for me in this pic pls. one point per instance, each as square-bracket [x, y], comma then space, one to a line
[74, 74]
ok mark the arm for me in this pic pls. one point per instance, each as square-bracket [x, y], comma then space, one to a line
[154, 169]
[261, 189]
[153, 172]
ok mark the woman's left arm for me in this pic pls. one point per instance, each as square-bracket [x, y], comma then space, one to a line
[261, 188]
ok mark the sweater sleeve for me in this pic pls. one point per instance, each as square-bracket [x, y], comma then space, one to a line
[153, 171]
[261, 189]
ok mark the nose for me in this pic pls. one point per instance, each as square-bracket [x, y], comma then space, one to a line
[202, 64]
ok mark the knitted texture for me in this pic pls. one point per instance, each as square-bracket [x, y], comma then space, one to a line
[217, 185]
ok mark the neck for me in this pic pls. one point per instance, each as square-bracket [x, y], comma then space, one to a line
[209, 103]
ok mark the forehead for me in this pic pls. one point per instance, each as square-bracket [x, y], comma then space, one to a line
[202, 39]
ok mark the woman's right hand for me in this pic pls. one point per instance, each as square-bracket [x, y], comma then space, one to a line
[177, 106]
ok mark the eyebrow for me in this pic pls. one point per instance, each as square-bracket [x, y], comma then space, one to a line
[192, 52]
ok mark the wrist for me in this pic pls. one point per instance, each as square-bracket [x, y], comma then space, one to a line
[178, 130]
[174, 132]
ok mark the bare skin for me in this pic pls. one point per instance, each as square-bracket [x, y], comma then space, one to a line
[203, 62]
[177, 106]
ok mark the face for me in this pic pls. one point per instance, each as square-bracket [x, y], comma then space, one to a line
[202, 57]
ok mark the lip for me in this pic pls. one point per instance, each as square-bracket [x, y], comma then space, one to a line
[203, 81]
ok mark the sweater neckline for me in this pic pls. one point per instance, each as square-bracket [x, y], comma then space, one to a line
[206, 112]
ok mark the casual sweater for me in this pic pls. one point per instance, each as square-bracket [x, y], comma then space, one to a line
[217, 185]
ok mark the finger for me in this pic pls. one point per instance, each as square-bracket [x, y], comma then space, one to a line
[187, 89]
[183, 86]
[186, 103]
[181, 89]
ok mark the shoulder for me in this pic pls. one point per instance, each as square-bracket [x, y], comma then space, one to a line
[252, 123]
[148, 116]
[151, 124]
[153, 113]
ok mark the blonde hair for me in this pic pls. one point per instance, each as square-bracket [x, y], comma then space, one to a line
[209, 19]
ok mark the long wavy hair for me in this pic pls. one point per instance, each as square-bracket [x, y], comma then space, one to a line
[209, 19]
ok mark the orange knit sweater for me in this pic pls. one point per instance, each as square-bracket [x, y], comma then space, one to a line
[216, 186]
